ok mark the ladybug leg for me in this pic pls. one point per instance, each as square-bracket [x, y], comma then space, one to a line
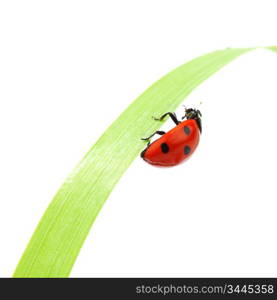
[172, 116]
[149, 137]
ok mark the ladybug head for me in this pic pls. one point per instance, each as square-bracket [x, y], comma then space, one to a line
[192, 113]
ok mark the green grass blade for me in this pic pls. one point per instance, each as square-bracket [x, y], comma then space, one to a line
[273, 48]
[63, 228]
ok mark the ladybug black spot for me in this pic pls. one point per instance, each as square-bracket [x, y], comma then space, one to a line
[186, 150]
[164, 147]
[187, 130]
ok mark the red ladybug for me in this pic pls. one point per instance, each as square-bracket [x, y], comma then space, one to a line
[178, 143]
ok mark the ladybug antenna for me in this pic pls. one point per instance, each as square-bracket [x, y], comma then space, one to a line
[198, 105]
[185, 111]
[197, 108]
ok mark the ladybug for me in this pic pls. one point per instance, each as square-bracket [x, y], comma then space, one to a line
[178, 143]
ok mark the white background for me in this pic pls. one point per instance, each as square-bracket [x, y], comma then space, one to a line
[68, 68]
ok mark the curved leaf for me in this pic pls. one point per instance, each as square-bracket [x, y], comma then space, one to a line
[62, 230]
